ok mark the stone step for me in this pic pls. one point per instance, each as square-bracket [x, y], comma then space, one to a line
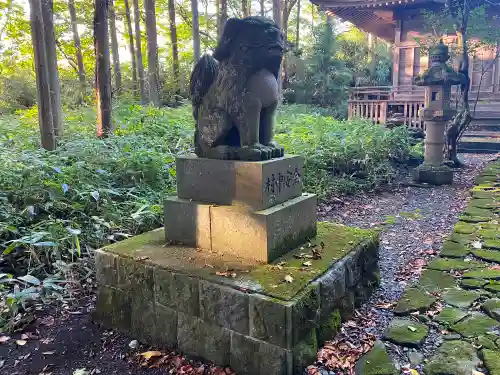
[479, 145]
[481, 134]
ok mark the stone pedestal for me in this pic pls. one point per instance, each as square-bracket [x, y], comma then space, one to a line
[254, 210]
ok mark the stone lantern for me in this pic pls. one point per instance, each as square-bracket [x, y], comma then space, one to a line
[437, 79]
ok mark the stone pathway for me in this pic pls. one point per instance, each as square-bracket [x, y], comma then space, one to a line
[447, 320]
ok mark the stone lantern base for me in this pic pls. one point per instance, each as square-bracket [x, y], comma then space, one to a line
[434, 175]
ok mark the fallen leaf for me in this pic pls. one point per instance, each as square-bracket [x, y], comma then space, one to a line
[413, 329]
[307, 264]
[289, 279]
[48, 353]
[4, 339]
[150, 354]
[80, 371]
[21, 342]
[385, 306]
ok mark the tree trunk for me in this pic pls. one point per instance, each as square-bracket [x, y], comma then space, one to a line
[297, 31]
[138, 51]
[78, 46]
[114, 48]
[262, 8]
[223, 15]
[131, 46]
[196, 30]
[244, 8]
[149, 6]
[102, 74]
[42, 77]
[50, 46]
[277, 14]
[173, 40]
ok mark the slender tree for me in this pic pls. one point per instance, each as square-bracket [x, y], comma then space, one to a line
[277, 17]
[173, 40]
[51, 53]
[138, 51]
[131, 46]
[244, 8]
[297, 31]
[78, 45]
[223, 16]
[102, 74]
[149, 6]
[196, 30]
[114, 47]
[42, 77]
[262, 8]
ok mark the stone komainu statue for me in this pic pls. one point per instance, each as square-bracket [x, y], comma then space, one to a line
[235, 93]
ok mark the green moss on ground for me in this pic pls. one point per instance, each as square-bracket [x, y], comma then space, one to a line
[472, 283]
[484, 203]
[305, 352]
[376, 362]
[483, 195]
[445, 264]
[463, 239]
[491, 361]
[487, 255]
[464, 228]
[473, 219]
[450, 315]
[453, 250]
[482, 212]
[492, 308]
[485, 342]
[485, 274]
[459, 298]
[406, 332]
[476, 325]
[435, 281]
[414, 300]
[453, 357]
[135, 244]
[493, 287]
[492, 244]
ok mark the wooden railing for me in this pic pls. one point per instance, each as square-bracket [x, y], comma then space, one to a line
[375, 110]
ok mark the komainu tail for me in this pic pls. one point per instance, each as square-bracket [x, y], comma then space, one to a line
[202, 77]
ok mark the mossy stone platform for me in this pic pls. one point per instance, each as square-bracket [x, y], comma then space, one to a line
[256, 318]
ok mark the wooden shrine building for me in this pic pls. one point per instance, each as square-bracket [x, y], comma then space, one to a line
[400, 22]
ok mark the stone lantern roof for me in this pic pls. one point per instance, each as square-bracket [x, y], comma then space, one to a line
[439, 73]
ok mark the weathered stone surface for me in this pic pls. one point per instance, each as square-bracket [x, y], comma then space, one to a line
[332, 287]
[166, 326]
[460, 298]
[177, 291]
[491, 361]
[135, 278]
[453, 250]
[472, 283]
[187, 222]
[376, 362]
[434, 175]
[353, 268]
[450, 315]
[224, 306]
[492, 308]
[453, 357]
[258, 185]
[250, 356]
[106, 268]
[305, 313]
[304, 353]
[414, 300]
[406, 332]
[476, 325]
[113, 308]
[270, 321]
[445, 264]
[198, 338]
[433, 281]
[329, 327]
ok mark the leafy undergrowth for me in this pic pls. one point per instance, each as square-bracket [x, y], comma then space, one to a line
[56, 207]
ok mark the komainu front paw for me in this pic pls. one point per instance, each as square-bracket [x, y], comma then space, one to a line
[277, 150]
[255, 152]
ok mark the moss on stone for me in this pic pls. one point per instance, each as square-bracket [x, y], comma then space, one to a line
[487, 255]
[435, 281]
[472, 283]
[304, 353]
[484, 203]
[406, 332]
[453, 357]
[453, 250]
[414, 300]
[479, 194]
[489, 233]
[445, 264]
[492, 287]
[476, 325]
[492, 244]
[376, 362]
[491, 361]
[464, 228]
[450, 315]
[486, 343]
[485, 274]
[473, 219]
[459, 298]
[330, 327]
[492, 308]
[463, 239]
[338, 241]
[136, 243]
[482, 212]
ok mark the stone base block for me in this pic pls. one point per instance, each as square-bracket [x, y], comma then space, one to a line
[237, 313]
[262, 235]
[434, 175]
[255, 184]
